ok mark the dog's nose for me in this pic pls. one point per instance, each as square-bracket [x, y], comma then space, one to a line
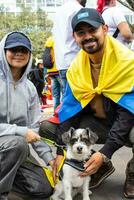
[79, 149]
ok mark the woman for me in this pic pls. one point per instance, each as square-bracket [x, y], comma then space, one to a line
[19, 117]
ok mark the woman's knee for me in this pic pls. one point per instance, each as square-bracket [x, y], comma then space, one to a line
[20, 143]
[17, 143]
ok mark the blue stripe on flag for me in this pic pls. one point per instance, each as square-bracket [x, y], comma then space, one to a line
[70, 106]
[127, 101]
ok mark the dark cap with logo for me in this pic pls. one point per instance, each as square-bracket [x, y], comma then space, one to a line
[88, 15]
[16, 39]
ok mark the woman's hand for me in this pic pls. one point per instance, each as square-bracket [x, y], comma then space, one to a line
[93, 164]
[31, 136]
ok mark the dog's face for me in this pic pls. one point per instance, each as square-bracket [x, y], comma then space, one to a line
[80, 141]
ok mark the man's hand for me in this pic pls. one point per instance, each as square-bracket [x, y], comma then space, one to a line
[56, 166]
[31, 136]
[93, 164]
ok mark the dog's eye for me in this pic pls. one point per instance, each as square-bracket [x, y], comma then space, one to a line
[85, 140]
[73, 140]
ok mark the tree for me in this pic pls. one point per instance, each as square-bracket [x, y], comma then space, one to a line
[35, 24]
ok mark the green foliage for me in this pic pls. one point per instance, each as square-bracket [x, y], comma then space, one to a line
[35, 24]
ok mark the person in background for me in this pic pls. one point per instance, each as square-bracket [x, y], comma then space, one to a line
[19, 123]
[53, 73]
[115, 19]
[65, 47]
[36, 75]
[99, 95]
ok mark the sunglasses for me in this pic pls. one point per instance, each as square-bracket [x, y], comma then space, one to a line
[19, 49]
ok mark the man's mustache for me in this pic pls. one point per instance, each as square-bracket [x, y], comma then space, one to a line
[89, 40]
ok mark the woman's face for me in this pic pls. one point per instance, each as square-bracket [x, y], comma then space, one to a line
[17, 57]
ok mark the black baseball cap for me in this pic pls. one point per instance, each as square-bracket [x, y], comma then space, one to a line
[16, 39]
[88, 15]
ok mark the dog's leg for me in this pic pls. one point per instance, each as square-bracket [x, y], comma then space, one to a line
[58, 192]
[85, 189]
[67, 190]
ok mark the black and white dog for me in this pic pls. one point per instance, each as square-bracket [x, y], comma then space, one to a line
[79, 148]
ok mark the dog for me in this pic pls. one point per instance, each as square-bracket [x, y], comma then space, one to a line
[79, 149]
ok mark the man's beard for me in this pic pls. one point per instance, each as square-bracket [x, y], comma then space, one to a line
[91, 50]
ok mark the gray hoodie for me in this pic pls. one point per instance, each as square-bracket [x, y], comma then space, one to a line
[19, 105]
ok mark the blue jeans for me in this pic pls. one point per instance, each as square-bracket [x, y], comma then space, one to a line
[63, 78]
[56, 89]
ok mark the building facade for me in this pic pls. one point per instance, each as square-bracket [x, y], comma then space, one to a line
[50, 6]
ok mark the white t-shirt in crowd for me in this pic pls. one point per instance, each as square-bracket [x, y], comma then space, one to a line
[132, 46]
[65, 46]
[113, 17]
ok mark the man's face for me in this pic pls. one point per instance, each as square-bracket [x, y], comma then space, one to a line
[89, 38]
[17, 57]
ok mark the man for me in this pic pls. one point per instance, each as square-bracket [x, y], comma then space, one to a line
[99, 95]
[117, 24]
[19, 117]
[65, 46]
[53, 73]
[36, 75]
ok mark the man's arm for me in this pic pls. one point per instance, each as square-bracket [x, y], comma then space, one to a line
[125, 31]
[119, 133]
[118, 136]
[122, 25]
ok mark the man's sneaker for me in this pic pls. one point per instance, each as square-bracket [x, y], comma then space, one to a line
[129, 184]
[104, 171]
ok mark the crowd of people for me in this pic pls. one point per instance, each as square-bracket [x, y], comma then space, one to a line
[92, 75]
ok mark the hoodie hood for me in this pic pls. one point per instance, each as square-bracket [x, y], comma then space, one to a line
[6, 75]
[4, 66]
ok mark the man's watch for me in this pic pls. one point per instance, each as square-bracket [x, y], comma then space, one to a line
[105, 158]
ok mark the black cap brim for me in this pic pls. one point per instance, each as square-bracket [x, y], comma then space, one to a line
[17, 44]
[90, 22]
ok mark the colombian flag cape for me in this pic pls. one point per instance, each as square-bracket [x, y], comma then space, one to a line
[116, 80]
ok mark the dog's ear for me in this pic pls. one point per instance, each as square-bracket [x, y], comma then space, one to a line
[92, 136]
[71, 131]
[66, 136]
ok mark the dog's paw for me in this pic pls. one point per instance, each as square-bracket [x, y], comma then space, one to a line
[87, 198]
[89, 192]
[54, 198]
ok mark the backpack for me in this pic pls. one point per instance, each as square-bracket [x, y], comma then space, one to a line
[32, 77]
[47, 58]
[37, 78]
